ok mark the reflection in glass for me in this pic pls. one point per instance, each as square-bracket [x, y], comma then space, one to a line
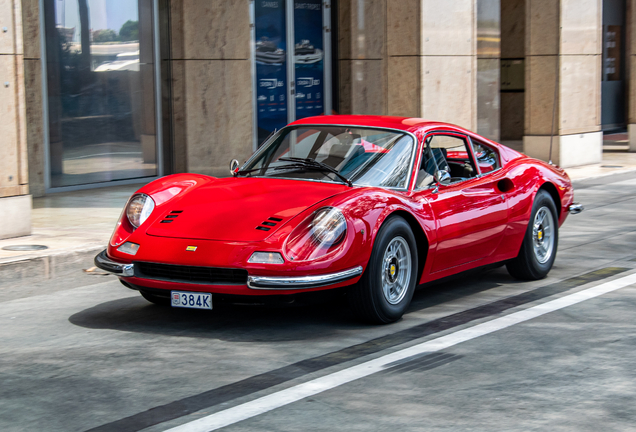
[488, 28]
[309, 58]
[270, 57]
[488, 96]
[100, 77]
[365, 156]
[488, 71]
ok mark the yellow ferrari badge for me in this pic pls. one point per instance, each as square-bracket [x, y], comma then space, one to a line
[191, 248]
[392, 269]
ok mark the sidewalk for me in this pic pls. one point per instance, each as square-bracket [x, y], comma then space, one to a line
[75, 226]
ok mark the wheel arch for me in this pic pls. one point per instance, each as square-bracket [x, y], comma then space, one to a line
[420, 238]
[554, 193]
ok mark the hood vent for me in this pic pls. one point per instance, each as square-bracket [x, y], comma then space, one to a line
[268, 224]
[171, 216]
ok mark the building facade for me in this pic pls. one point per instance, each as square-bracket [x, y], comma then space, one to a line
[104, 92]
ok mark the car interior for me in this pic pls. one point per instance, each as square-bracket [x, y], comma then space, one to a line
[445, 153]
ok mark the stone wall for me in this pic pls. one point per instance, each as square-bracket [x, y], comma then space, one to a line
[15, 203]
[563, 50]
[211, 84]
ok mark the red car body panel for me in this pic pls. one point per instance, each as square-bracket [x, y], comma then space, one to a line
[459, 226]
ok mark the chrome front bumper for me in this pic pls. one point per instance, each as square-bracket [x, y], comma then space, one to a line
[254, 282]
[302, 282]
[118, 269]
[576, 208]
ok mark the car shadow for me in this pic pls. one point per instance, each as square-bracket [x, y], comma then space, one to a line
[266, 324]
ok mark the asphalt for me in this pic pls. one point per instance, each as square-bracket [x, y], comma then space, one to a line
[79, 351]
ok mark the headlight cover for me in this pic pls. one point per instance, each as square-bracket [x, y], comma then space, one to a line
[317, 235]
[329, 226]
[139, 209]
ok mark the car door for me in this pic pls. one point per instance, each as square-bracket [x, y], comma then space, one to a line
[470, 211]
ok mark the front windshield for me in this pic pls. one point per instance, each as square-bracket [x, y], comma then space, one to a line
[364, 156]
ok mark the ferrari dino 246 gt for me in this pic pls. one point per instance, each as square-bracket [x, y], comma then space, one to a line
[374, 205]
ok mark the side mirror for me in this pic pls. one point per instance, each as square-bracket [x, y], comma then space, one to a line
[234, 164]
[442, 177]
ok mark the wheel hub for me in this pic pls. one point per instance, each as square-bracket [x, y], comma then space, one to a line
[396, 271]
[392, 269]
[542, 235]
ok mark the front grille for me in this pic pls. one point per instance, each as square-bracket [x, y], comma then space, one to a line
[190, 274]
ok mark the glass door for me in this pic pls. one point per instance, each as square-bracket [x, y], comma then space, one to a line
[100, 91]
[292, 62]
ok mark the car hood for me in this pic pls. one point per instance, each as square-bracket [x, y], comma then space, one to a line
[231, 209]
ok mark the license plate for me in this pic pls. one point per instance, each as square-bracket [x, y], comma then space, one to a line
[191, 300]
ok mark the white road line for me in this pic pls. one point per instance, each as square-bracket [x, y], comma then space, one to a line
[293, 394]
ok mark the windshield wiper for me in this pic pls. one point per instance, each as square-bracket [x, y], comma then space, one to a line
[249, 171]
[311, 163]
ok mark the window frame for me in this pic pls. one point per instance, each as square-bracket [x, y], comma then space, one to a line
[471, 154]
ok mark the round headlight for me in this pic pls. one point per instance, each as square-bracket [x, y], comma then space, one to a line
[139, 209]
[329, 226]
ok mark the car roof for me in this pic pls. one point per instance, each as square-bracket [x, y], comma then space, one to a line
[408, 124]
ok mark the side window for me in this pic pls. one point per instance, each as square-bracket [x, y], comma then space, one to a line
[445, 153]
[487, 157]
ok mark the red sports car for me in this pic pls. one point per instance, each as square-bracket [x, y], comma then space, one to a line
[375, 204]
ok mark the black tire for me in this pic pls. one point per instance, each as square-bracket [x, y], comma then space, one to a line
[367, 298]
[161, 301]
[527, 265]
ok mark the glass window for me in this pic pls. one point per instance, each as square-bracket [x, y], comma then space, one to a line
[367, 157]
[101, 88]
[487, 157]
[448, 154]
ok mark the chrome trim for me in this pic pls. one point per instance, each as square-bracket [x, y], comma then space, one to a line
[302, 282]
[290, 65]
[118, 269]
[416, 144]
[575, 208]
[253, 76]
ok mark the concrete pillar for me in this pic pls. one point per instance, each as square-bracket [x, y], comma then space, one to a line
[362, 56]
[33, 95]
[563, 50]
[15, 203]
[212, 94]
[414, 58]
[432, 60]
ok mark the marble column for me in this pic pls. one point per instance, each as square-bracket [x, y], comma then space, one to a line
[15, 201]
[362, 56]
[432, 61]
[211, 77]
[563, 79]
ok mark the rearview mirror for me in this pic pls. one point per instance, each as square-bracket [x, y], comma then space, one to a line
[234, 164]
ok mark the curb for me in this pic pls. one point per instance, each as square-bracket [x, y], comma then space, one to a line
[33, 269]
[604, 178]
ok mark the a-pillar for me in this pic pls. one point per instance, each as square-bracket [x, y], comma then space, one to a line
[15, 203]
[563, 50]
